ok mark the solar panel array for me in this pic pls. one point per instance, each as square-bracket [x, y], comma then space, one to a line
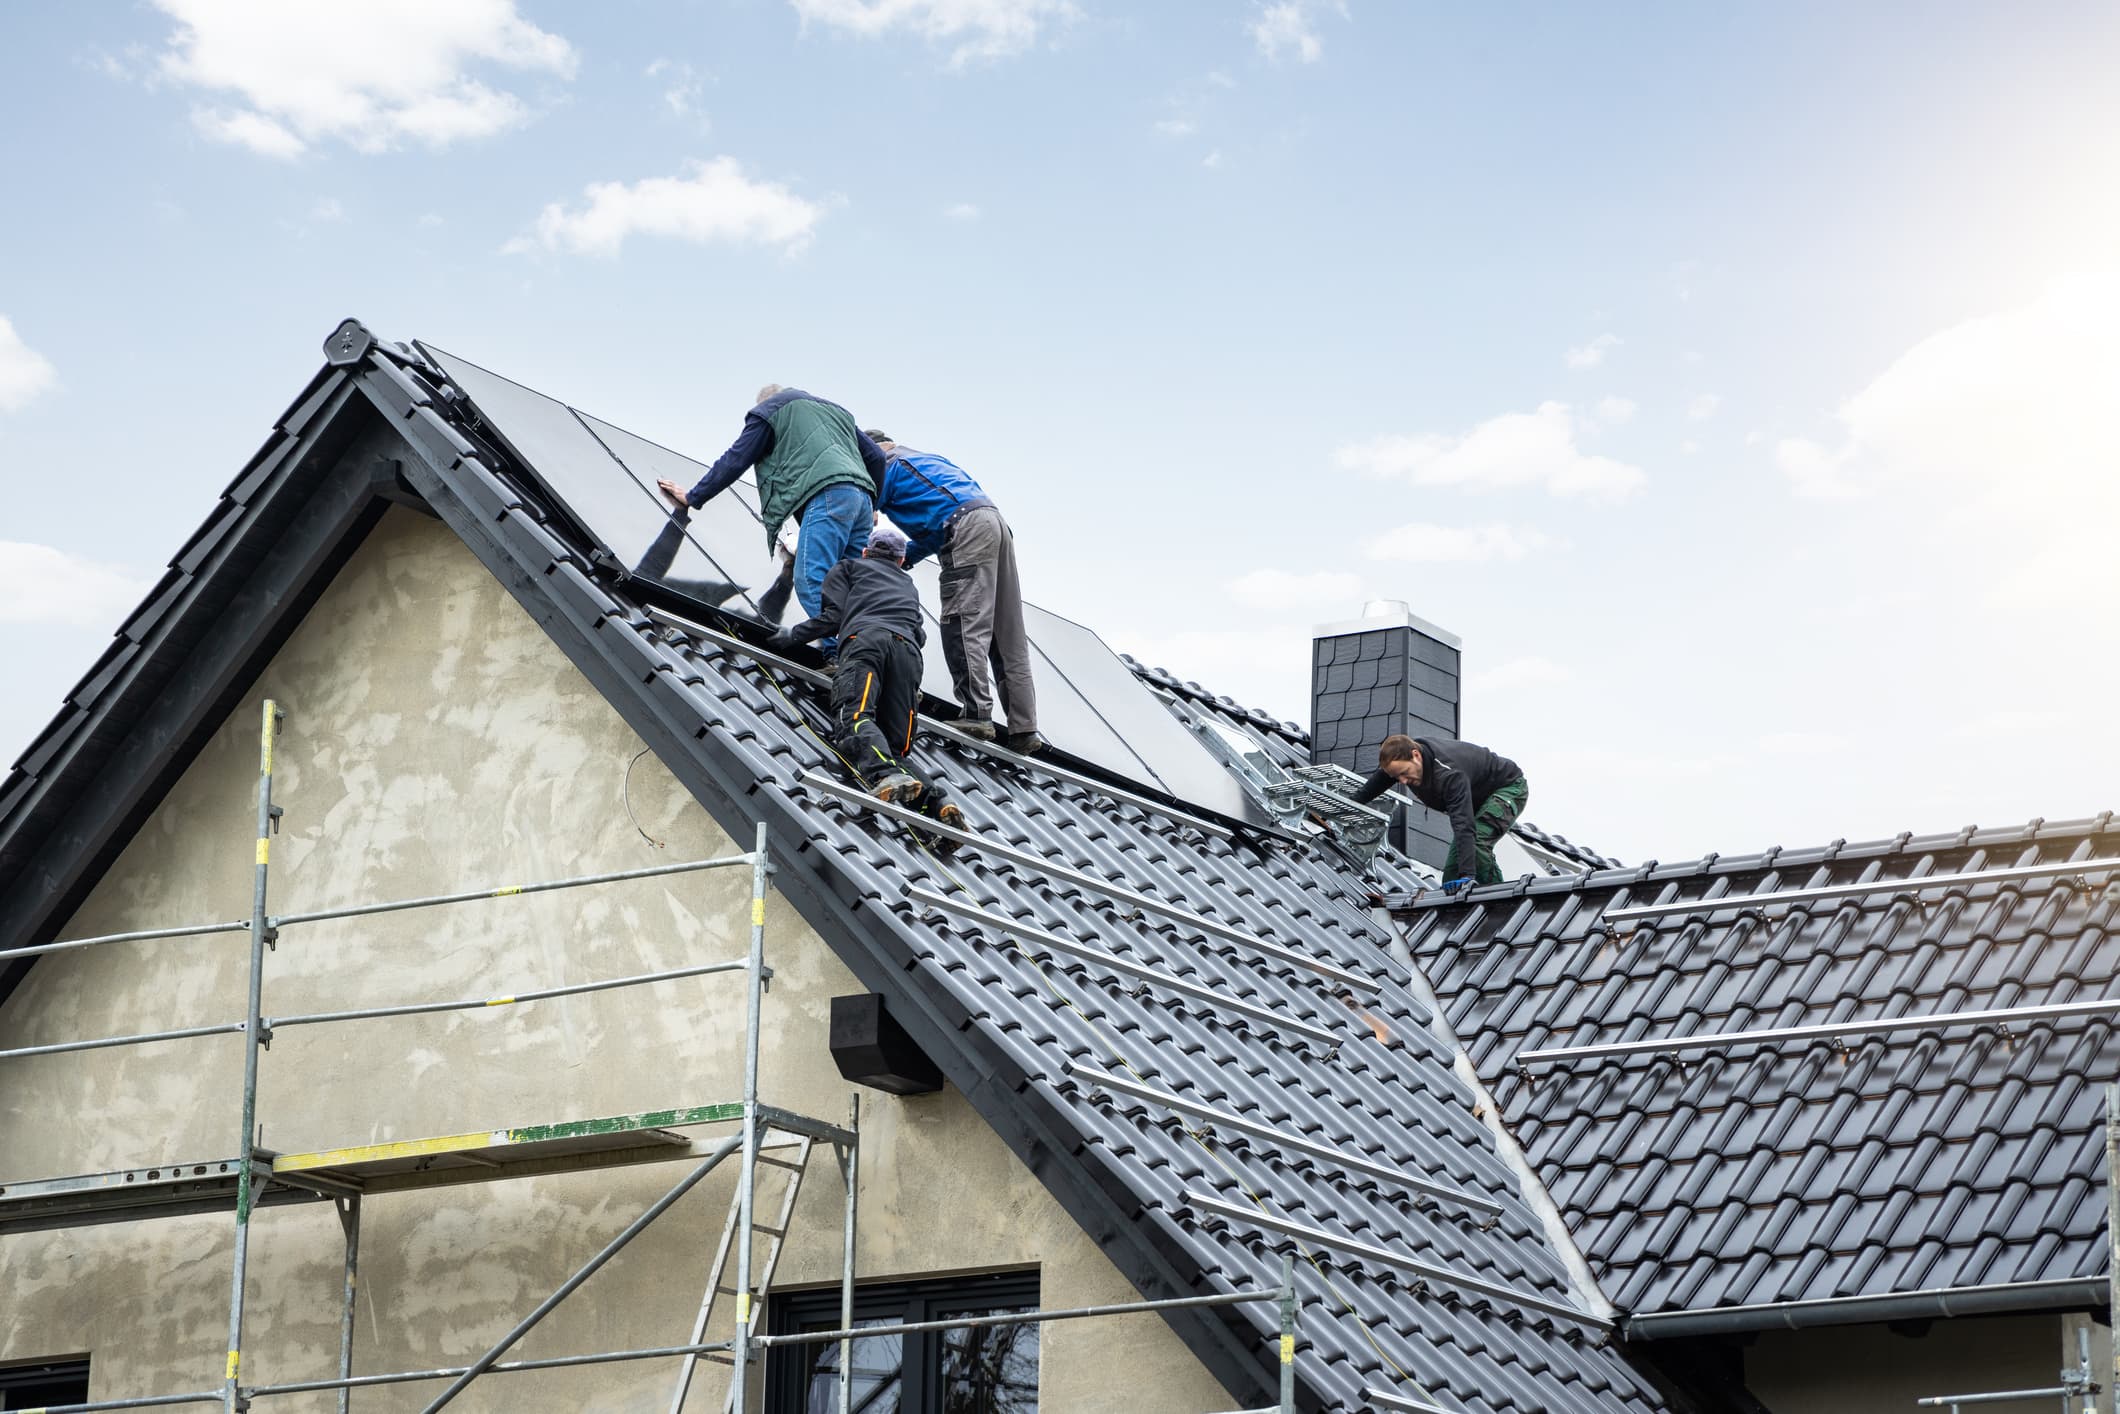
[1090, 704]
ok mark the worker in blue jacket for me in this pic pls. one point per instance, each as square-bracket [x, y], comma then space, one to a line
[945, 513]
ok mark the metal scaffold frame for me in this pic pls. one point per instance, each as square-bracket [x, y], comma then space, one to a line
[257, 1177]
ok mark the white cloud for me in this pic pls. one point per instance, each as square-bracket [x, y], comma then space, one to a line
[1815, 473]
[1688, 447]
[1515, 449]
[1420, 543]
[327, 209]
[2016, 408]
[1287, 27]
[979, 29]
[1212, 159]
[1592, 354]
[1177, 127]
[1518, 674]
[1276, 588]
[25, 374]
[43, 585]
[1615, 411]
[683, 88]
[962, 211]
[1703, 406]
[374, 76]
[429, 220]
[714, 202]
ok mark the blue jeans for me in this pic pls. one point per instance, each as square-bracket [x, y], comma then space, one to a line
[835, 526]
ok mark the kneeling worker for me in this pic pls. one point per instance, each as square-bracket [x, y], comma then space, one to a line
[1482, 793]
[871, 605]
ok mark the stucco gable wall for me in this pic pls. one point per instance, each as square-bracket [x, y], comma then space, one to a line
[436, 741]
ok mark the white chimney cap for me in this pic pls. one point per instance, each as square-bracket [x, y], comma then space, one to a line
[1388, 613]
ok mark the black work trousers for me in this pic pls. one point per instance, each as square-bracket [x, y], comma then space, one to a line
[874, 696]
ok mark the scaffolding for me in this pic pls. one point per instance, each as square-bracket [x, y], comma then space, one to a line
[257, 1177]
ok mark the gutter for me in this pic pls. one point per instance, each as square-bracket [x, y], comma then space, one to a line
[2070, 1294]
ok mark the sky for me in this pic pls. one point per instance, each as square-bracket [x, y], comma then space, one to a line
[1741, 383]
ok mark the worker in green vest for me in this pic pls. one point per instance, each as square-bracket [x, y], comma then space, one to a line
[814, 465]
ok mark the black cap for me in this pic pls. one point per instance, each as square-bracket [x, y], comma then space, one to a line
[876, 434]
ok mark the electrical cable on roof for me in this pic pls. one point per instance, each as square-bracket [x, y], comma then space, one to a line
[1119, 1056]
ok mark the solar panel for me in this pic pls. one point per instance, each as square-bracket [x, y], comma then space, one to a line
[1166, 747]
[576, 460]
[1065, 718]
[1090, 704]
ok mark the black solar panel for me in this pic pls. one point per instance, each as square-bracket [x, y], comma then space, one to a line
[605, 478]
[1089, 703]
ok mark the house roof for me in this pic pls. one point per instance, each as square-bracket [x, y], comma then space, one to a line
[1734, 1184]
[1409, 1293]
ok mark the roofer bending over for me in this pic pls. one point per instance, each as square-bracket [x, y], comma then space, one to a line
[871, 604]
[944, 511]
[813, 464]
[1483, 794]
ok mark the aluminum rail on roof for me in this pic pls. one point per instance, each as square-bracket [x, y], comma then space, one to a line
[1370, 1252]
[1639, 912]
[1935, 1021]
[1383, 1399]
[1220, 1001]
[1182, 916]
[944, 729]
[1223, 1119]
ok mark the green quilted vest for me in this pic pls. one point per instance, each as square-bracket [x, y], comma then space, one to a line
[814, 448]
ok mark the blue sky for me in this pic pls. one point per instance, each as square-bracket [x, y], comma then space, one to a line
[1741, 382]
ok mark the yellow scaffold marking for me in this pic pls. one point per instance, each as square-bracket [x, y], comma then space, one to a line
[1288, 1350]
[399, 1149]
[743, 1308]
[508, 892]
[235, 1359]
[500, 1001]
[264, 849]
[758, 913]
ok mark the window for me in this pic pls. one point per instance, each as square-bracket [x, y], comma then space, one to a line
[981, 1370]
[45, 1382]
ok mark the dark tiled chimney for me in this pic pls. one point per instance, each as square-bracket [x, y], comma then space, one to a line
[1385, 672]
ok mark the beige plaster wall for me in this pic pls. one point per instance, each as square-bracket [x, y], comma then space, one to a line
[1874, 1370]
[436, 741]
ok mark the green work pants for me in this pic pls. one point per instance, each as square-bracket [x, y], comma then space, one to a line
[1496, 814]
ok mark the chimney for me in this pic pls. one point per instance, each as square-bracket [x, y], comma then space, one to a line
[1385, 672]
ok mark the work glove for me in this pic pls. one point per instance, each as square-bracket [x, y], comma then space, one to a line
[780, 641]
[1453, 885]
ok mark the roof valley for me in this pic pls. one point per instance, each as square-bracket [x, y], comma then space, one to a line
[1530, 1187]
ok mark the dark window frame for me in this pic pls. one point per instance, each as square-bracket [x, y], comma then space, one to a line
[788, 1367]
[34, 1384]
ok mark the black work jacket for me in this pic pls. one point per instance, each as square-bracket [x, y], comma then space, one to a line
[863, 595]
[1456, 779]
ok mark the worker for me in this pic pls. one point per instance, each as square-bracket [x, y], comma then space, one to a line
[813, 464]
[945, 513]
[871, 604]
[1483, 794]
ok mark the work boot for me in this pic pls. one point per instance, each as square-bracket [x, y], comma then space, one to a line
[1024, 743]
[829, 667]
[978, 728]
[950, 815]
[898, 788]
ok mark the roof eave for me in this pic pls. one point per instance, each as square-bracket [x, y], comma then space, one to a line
[2069, 1294]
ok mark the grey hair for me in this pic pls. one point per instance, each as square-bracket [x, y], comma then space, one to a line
[768, 391]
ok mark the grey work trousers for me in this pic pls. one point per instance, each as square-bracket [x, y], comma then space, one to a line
[982, 620]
